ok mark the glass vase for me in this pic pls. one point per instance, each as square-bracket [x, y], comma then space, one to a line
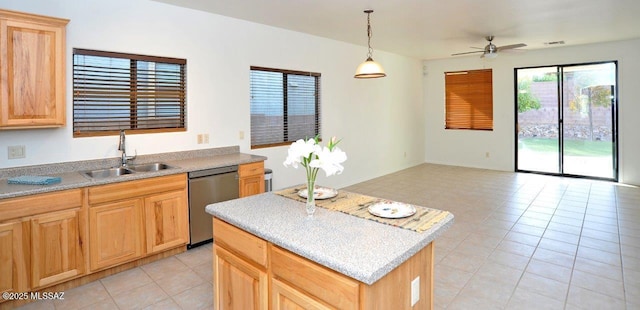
[311, 202]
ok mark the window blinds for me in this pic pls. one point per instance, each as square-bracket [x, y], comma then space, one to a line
[285, 106]
[114, 91]
[469, 100]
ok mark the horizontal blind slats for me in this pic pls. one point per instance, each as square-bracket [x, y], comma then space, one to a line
[114, 91]
[469, 100]
[284, 106]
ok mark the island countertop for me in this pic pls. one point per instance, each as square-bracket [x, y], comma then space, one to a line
[361, 249]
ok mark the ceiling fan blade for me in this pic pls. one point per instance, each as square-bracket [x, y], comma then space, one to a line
[456, 54]
[506, 47]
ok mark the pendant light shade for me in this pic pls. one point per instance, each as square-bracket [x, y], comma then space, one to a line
[369, 68]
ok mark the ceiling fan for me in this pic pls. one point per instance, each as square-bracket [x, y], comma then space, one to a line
[491, 50]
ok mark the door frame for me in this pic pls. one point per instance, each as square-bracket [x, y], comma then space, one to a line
[614, 121]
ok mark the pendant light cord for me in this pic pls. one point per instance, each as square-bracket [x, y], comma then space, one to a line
[369, 33]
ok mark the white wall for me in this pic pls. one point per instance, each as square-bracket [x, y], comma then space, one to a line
[379, 120]
[468, 148]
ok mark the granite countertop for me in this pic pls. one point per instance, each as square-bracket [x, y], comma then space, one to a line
[361, 249]
[70, 172]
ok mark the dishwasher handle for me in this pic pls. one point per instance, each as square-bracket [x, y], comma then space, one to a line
[213, 171]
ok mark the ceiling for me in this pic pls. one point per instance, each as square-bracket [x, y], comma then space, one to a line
[431, 29]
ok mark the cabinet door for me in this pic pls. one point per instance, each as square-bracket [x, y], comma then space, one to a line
[237, 283]
[115, 233]
[251, 185]
[166, 219]
[56, 249]
[13, 266]
[33, 73]
[285, 297]
[251, 178]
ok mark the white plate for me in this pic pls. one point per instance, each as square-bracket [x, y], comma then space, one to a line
[392, 210]
[319, 193]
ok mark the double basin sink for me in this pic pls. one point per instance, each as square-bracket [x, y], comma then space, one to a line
[119, 171]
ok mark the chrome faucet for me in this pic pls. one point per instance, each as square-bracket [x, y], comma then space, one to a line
[122, 148]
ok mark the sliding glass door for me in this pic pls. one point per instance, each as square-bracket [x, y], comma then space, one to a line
[566, 120]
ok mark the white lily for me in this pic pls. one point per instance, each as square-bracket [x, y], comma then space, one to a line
[329, 160]
[300, 152]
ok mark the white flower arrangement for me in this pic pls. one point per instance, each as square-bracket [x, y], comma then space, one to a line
[313, 157]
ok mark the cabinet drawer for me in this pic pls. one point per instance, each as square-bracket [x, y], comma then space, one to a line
[37, 204]
[240, 242]
[126, 190]
[327, 285]
[246, 170]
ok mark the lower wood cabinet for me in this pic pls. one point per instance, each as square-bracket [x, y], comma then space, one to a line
[116, 233]
[49, 239]
[239, 284]
[13, 251]
[166, 220]
[56, 248]
[251, 178]
[40, 240]
[244, 263]
[284, 296]
[130, 220]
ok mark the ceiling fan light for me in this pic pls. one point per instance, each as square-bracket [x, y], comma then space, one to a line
[369, 69]
[491, 55]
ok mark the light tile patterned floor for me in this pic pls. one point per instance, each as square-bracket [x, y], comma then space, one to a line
[519, 241]
[526, 241]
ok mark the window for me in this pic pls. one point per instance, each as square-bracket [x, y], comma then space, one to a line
[469, 100]
[285, 106]
[115, 91]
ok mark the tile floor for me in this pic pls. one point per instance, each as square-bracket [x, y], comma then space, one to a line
[519, 241]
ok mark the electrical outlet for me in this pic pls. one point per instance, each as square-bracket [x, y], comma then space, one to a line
[16, 151]
[199, 138]
[205, 139]
[241, 135]
[415, 291]
[487, 155]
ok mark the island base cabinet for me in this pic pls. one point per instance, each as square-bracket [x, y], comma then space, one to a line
[285, 297]
[13, 266]
[115, 231]
[56, 251]
[242, 268]
[324, 285]
[238, 284]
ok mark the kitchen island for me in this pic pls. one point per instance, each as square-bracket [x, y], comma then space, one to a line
[267, 251]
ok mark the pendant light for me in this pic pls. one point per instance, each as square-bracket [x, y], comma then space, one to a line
[369, 68]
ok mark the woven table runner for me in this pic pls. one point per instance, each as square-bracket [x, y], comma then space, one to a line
[357, 205]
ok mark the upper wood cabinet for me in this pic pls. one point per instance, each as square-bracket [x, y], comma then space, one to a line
[251, 178]
[32, 71]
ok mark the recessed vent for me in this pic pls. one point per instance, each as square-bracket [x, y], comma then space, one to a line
[554, 43]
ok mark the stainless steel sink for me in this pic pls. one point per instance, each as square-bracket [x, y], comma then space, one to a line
[150, 167]
[107, 173]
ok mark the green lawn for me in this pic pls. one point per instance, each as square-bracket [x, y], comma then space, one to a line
[571, 147]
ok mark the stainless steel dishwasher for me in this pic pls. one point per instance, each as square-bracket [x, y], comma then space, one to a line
[207, 187]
